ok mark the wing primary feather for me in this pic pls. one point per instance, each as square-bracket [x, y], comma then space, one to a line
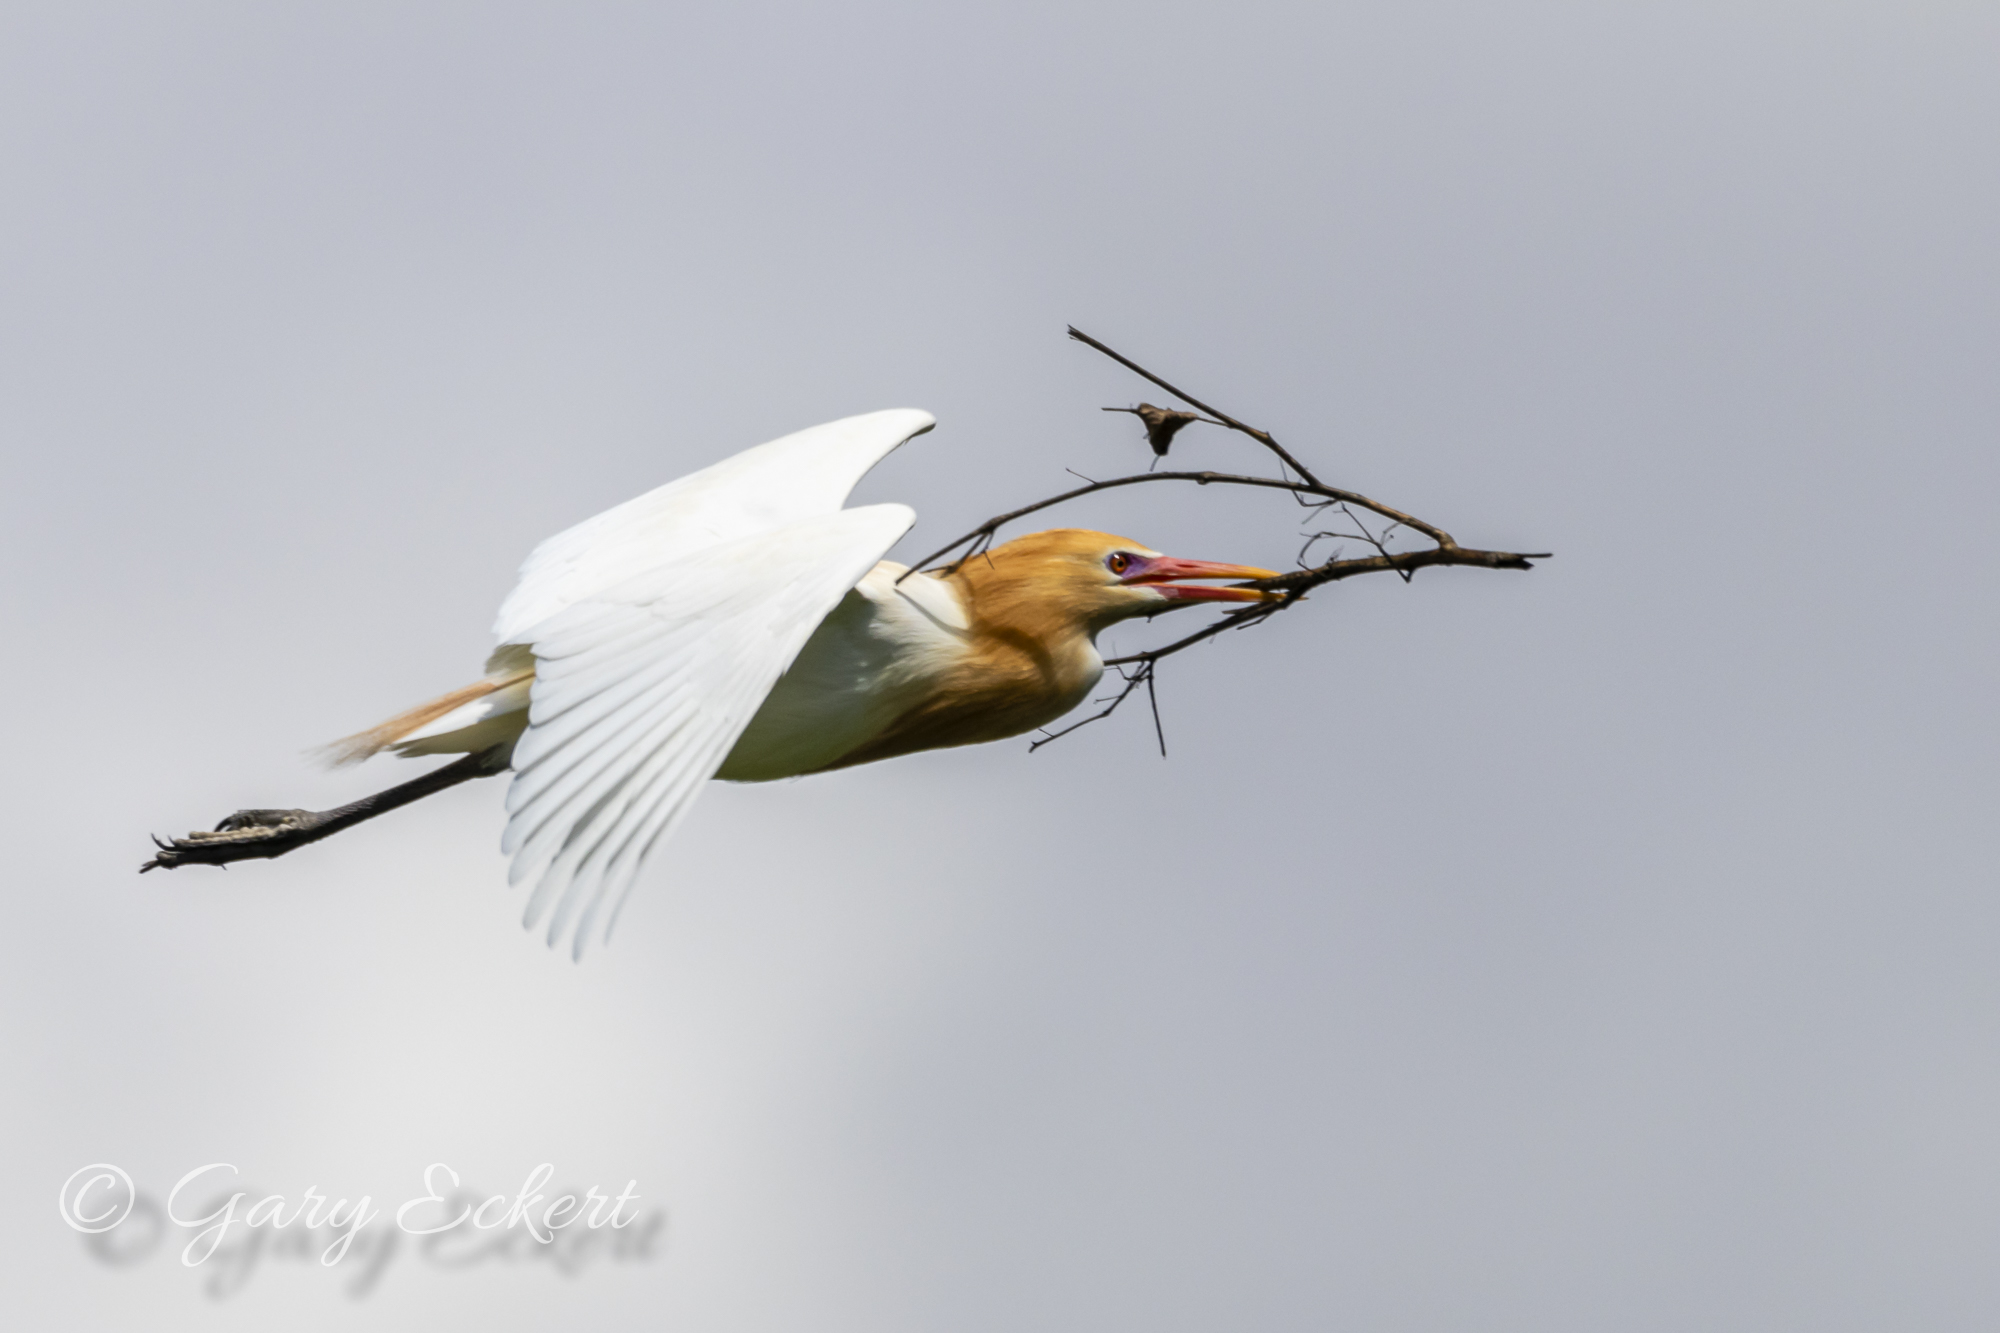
[643, 689]
[669, 789]
[544, 828]
[581, 859]
[575, 735]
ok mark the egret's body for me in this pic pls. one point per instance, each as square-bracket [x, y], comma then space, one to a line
[739, 624]
[904, 662]
[883, 650]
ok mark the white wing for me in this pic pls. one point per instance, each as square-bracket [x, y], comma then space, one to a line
[641, 689]
[758, 490]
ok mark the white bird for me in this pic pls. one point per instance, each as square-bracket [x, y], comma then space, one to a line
[740, 624]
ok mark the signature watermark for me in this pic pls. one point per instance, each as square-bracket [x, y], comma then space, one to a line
[447, 1226]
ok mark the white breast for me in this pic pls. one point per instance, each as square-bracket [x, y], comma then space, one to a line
[881, 649]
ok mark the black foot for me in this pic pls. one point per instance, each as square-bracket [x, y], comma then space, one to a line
[247, 835]
[253, 835]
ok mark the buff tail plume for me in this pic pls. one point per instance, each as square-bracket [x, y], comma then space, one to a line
[365, 744]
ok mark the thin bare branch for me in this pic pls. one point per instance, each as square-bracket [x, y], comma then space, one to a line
[1332, 494]
[1132, 682]
[1153, 697]
[1262, 437]
[1243, 619]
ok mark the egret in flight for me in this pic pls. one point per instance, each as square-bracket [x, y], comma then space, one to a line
[740, 624]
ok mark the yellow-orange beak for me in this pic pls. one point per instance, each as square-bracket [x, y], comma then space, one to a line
[1163, 572]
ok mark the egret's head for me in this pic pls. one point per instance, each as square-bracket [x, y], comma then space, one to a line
[1093, 579]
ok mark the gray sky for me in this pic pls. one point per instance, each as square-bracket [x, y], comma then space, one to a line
[1601, 947]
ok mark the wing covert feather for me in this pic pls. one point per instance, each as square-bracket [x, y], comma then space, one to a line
[799, 476]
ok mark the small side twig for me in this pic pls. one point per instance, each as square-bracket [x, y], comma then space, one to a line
[1146, 676]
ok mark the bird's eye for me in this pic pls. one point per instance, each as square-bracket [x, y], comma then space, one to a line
[1118, 562]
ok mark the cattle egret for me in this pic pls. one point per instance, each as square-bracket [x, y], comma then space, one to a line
[740, 624]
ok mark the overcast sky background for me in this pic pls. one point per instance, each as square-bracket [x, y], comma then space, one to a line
[1615, 945]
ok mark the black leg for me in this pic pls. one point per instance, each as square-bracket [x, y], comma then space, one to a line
[250, 835]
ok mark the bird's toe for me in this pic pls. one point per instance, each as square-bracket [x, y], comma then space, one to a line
[261, 819]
